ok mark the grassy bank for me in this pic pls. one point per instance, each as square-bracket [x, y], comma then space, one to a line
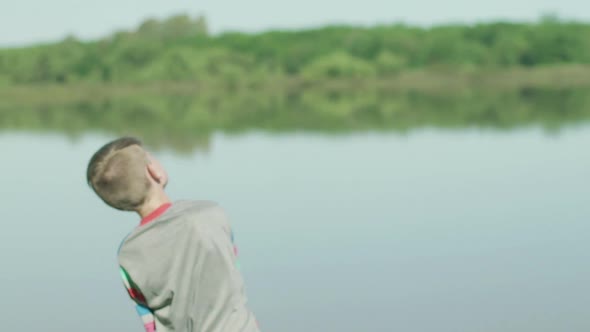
[433, 81]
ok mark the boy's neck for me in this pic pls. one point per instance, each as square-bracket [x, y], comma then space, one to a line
[153, 204]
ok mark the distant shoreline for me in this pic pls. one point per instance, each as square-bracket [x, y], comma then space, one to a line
[434, 81]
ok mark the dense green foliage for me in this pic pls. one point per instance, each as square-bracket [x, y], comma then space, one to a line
[173, 84]
[180, 49]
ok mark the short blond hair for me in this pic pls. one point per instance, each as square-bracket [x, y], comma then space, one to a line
[117, 173]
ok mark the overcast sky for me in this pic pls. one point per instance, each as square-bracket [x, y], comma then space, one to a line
[32, 21]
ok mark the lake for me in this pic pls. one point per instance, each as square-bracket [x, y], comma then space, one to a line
[460, 229]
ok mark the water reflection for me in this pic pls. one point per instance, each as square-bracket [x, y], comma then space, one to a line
[186, 121]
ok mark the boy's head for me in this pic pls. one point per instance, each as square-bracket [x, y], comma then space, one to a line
[124, 175]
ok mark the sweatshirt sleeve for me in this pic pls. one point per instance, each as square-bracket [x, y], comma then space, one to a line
[146, 315]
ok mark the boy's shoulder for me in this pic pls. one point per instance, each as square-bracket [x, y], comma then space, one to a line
[195, 212]
[182, 215]
[193, 206]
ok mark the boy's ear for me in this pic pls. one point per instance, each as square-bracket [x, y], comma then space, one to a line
[154, 172]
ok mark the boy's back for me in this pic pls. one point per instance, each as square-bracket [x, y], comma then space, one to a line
[181, 264]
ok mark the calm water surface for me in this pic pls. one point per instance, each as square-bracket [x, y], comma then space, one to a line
[431, 231]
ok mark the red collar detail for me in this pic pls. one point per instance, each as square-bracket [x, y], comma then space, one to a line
[155, 214]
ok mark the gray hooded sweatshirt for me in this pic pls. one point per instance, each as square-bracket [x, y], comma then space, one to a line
[183, 265]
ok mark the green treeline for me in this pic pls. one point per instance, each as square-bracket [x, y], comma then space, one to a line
[174, 84]
[180, 49]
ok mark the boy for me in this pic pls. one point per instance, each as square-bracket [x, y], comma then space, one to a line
[179, 264]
